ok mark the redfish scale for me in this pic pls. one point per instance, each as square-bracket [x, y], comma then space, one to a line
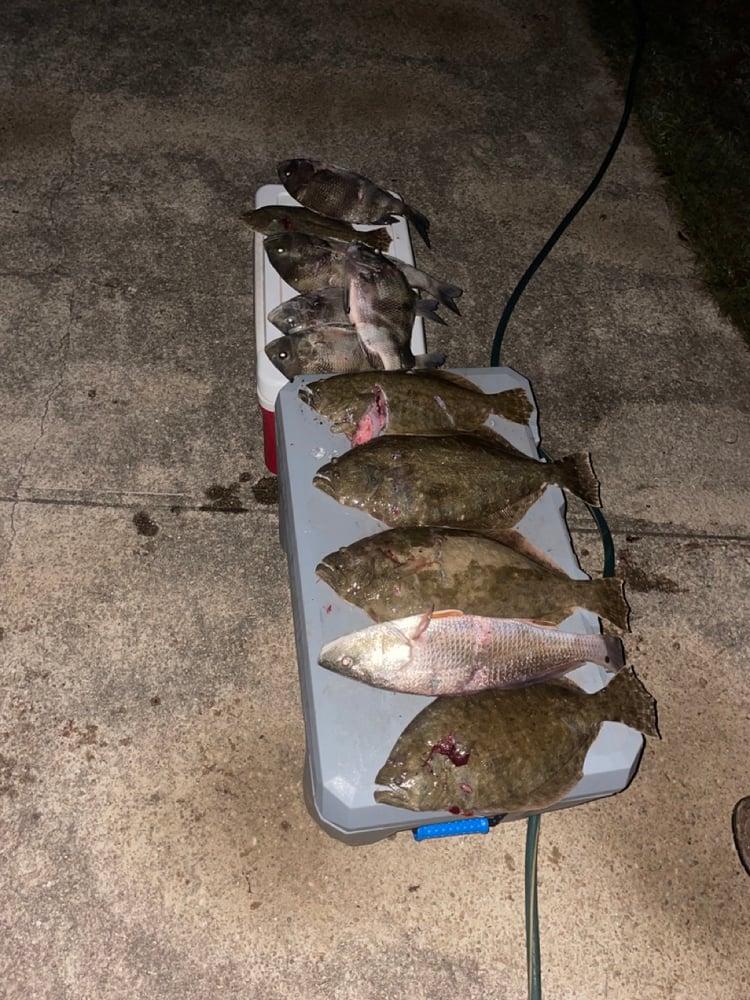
[508, 648]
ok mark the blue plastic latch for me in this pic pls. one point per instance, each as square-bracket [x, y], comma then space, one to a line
[453, 828]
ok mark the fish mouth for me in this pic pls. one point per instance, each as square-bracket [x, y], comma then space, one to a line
[324, 483]
[392, 796]
[326, 572]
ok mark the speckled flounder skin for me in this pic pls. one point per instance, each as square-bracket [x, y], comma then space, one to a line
[506, 751]
[451, 653]
[456, 481]
[363, 406]
[405, 571]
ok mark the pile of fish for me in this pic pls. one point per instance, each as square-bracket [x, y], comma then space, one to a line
[357, 305]
[464, 607]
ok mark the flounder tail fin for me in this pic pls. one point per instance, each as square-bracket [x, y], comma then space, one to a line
[576, 474]
[626, 700]
[513, 404]
[607, 598]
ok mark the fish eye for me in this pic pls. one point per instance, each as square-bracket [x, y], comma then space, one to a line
[283, 355]
[347, 661]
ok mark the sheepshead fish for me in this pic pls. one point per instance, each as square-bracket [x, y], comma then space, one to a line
[365, 406]
[381, 306]
[308, 263]
[451, 653]
[454, 481]
[291, 218]
[326, 305]
[327, 347]
[342, 194]
[401, 572]
[506, 751]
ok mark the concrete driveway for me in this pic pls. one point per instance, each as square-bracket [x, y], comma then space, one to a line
[154, 842]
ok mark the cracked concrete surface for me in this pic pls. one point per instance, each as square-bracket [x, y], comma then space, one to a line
[154, 839]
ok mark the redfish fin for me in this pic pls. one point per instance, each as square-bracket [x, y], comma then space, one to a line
[606, 597]
[513, 404]
[576, 474]
[539, 623]
[626, 700]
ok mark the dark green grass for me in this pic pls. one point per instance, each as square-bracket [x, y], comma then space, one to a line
[693, 105]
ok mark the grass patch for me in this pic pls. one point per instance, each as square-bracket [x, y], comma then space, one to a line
[693, 105]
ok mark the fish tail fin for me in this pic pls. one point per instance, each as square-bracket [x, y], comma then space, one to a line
[626, 700]
[576, 474]
[513, 404]
[378, 239]
[420, 223]
[607, 598]
[435, 359]
[427, 309]
[447, 293]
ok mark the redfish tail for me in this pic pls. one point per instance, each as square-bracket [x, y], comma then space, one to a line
[513, 404]
[575, 473]
[420, 223]
[607, 598]
[626, 700]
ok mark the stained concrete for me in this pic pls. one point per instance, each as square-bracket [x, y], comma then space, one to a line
[154, 840]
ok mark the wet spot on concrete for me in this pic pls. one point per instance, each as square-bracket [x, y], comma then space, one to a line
[245, 477]
[643, 581]
[92, 393]
[266, 490]
[2, 632]
[144, 525]
[224, 498]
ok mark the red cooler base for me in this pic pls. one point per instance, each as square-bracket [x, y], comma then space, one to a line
[269, 439]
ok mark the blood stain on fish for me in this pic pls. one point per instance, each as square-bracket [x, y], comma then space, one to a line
[450, 749]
